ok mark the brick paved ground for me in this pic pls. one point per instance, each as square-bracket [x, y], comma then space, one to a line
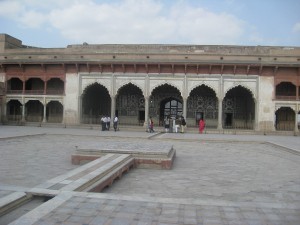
[216, 179]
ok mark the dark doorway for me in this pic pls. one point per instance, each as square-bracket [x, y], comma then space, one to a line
[285, 119]
[95, 103]
[239, 108]
[14, 110]
[165, 100]
[170, 107]
[228, 120]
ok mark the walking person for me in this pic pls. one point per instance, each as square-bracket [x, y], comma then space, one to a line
[103, 123]
[201, 126]
[182, 124]
[116, 123]
[151, 125]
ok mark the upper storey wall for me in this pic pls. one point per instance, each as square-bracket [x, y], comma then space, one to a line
[12, 50]
[16, 58]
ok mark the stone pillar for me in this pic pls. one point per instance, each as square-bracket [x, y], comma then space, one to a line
[24, 83]
[220, 111]
[184, 105]
[45, 88]
[112, 108]
[23, 112]
[4, 116]
[296, 121]
[44, 116]
[146, 109]
[256, 127]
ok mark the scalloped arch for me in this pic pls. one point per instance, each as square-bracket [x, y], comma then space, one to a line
[292, 107]
[27, 100]
[86, 85]
[8, 100]
[130, 82]
[240, 85]
[199, 85]
[52, 100]
[168, 83]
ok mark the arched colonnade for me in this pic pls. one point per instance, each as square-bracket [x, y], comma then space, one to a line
[133, 103]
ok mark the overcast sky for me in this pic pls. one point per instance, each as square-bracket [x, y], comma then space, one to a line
[57, 23]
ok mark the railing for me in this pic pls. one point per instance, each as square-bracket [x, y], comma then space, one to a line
[36, 92]
[14, 91]
[288, 98]
[54, 92]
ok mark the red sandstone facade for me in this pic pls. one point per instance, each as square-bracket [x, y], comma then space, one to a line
[38, 74]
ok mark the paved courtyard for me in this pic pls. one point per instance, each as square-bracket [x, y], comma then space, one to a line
[215, 179]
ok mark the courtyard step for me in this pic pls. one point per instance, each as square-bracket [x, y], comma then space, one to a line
[93, 176]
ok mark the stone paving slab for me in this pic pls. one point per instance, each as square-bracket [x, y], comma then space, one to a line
[216, 179]
[88, 208]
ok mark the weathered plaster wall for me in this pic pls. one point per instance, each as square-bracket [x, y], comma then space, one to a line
[266, 111]
[71, 99]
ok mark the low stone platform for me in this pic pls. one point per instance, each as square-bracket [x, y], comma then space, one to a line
[146, 154]
[93, 176]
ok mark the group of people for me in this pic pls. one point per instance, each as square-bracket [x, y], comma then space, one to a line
[179, 123]
[105, 123]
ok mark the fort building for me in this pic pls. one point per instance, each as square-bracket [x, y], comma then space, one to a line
[232, 87]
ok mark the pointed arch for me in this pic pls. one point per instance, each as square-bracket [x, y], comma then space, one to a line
[54, 112]
[239, 108]
[160, 94]
[166, 83]
[286, 91]
[285, 118]
[14, 110]
[35, 111]
[202, 103]
[238, 85]
[130, 104]
[95, 102]
[202, 84]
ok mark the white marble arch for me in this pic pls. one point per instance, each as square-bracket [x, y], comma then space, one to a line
[286, 105]
[213, 84]
[251, 86]
[105, 82]
[178, 84]
[121, 82]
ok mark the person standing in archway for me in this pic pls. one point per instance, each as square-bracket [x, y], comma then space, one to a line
[201, 126]
[116, 123]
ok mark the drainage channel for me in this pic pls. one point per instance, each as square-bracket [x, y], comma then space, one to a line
[22, 208]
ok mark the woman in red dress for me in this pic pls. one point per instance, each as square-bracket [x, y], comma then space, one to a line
[201, 126]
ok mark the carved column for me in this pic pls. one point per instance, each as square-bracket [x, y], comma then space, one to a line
[146, 109]
[256, 127]
[23, 110]
[184, 105]
[296, 121]
[220, 110]
[45, 108]
[112, 108]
